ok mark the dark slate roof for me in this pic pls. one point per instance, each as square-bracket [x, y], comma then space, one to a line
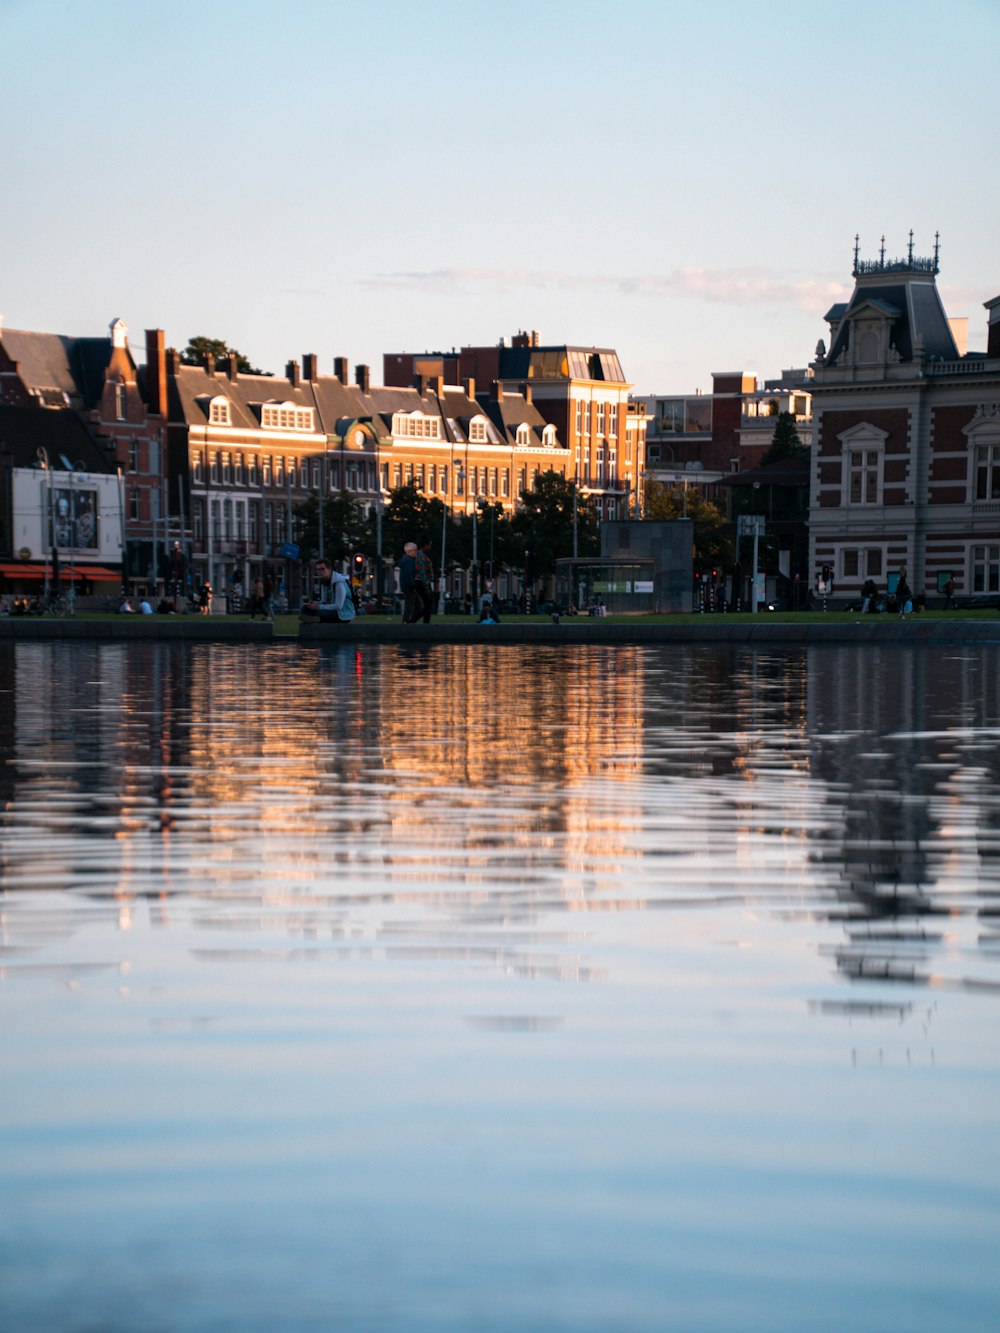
[60, 369]
[511, 411]
[44, 360]
[59, 431]
[912, 303]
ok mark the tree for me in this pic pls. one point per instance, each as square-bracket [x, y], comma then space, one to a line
[785, 442]
[545, 522]
[345, 526]
[201, 346]
[668, 503]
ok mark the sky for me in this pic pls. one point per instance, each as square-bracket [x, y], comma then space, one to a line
[682, 182]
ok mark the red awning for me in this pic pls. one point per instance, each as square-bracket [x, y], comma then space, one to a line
[30, 570]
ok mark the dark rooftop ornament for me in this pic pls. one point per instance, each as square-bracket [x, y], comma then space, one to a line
[911, 264]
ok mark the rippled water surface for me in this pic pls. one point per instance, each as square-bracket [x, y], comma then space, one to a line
[499, 988]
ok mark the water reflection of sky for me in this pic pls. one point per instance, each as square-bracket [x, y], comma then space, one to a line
[505, 989]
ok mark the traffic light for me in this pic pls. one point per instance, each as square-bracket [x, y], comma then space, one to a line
[358, 563]
[825, 575]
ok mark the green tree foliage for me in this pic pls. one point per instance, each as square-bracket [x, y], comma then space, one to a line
[544, 523]
[201, 346]
[785, 442]
[667, 503]
[345, 527]
[408, 516]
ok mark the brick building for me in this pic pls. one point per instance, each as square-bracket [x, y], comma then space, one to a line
[579, 391]
[906, 432]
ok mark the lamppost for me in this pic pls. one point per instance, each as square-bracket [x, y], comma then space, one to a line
[444, 539]
[121, 528]
[48, 536]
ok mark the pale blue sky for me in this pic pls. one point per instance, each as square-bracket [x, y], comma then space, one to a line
[680, 181]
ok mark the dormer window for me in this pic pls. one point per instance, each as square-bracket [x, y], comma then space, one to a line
[415, 426]
[523, 436]
[286, 416]
[549, 437]
[477, 431]
[218, 412]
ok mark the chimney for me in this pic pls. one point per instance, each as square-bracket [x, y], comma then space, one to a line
[526, 391]
[173, 360]
[470, 387]
[156, 372]
[310, 370]
[362, 377]
[496, 391]
[439, 385]
[420, 384]
[231, 369]
[208, 361]
[292, 374]
[341, 369]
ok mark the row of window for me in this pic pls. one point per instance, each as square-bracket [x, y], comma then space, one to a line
[858, 563]
[274, 416]
[603, 416]
[226, 468]
[864, 474]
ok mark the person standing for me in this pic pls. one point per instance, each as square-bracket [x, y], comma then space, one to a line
[424, 582]
[949, 594]
[904, 597]
[408, 582]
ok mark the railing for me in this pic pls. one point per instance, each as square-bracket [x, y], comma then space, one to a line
[965, 367]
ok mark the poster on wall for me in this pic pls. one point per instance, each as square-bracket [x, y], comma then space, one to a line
[74, 518]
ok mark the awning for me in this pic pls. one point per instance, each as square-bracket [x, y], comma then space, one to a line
[28, 570]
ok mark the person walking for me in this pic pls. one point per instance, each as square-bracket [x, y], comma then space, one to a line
[425, 581]
[904, 597]
[949, 594]
[408, 582]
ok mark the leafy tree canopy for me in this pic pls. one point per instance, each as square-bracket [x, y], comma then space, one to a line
[544, 524]
[345, 526]
[201, 346]
[667, 503]
[785, 442]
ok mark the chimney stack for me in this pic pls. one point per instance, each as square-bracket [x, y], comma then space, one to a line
[173, 360]
[470, 387]
[310, 368]
[156, 372]
[231, 368]
[420, 384]
[362, 377]
[208, 361]
[439, 385]
[341, 369]
[292, 374]
[496, 391]
[526, 391]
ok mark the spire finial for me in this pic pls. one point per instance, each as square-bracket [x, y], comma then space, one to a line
[857, 240]
[937, 247]
[881, 253]
[910, 251]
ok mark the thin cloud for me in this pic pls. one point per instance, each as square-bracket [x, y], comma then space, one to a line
[751, 286]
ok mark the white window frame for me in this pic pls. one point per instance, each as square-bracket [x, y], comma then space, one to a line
[865, 439]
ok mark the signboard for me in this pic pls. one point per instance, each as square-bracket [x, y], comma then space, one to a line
[289, 550]
[750, 525]
[642, 585]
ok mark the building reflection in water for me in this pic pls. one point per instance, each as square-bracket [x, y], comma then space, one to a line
[379, 795]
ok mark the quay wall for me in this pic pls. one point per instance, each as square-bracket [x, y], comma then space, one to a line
[714, 630]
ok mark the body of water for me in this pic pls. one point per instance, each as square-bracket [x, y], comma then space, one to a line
[489, 988]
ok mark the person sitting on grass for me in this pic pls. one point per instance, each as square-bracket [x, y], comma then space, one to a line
[335, 602]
